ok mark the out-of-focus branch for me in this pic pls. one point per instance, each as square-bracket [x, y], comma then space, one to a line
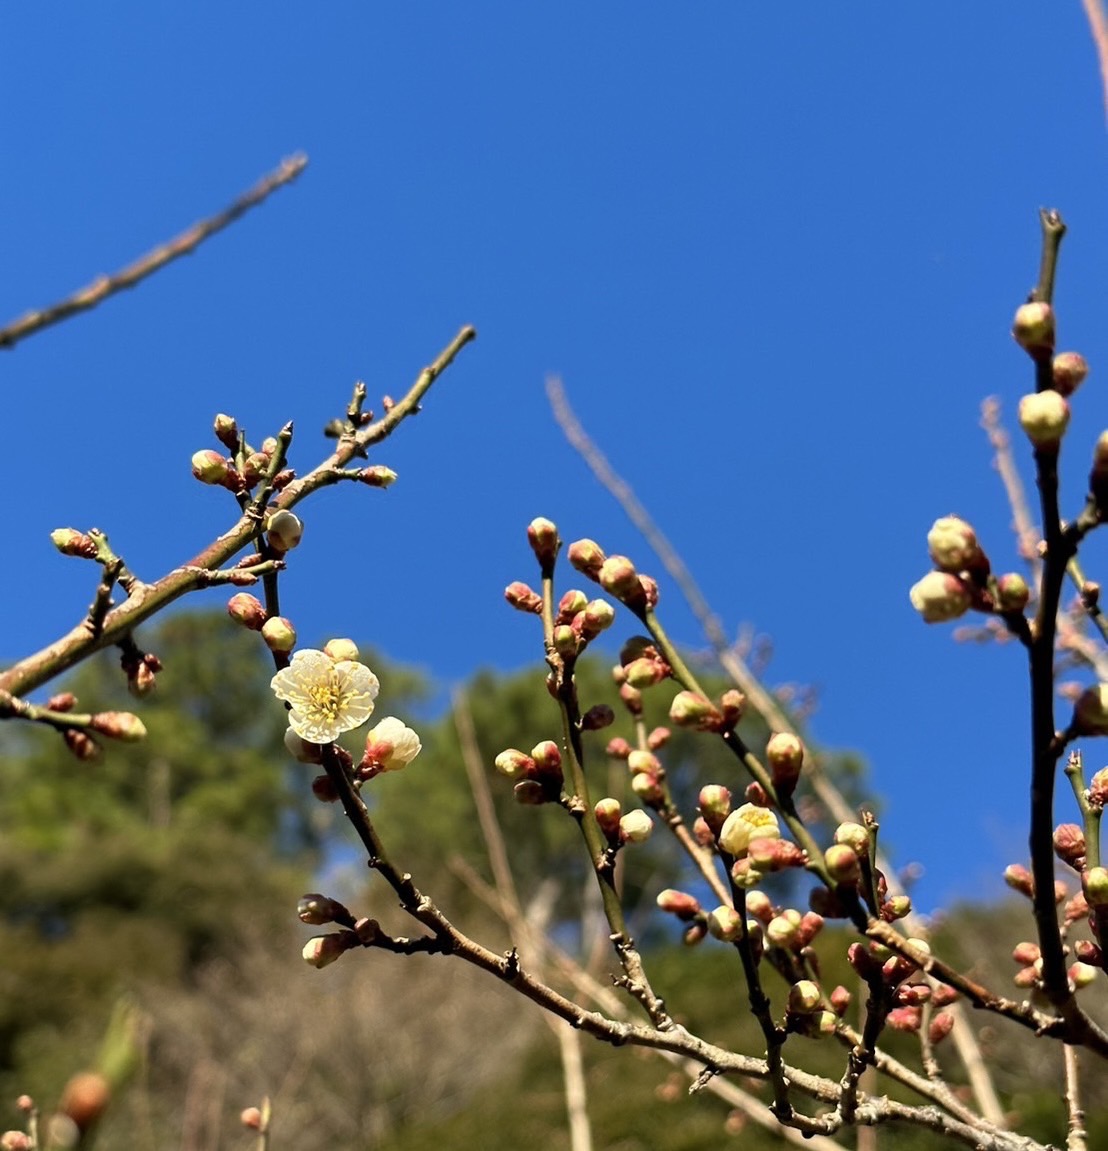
[763, 702]
[188, 240]
[1098, 25]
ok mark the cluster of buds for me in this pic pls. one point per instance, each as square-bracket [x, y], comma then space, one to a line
[538, 776]
[1044, 415]
[1019, 878]
[807, 1013]
[615, 574]
[902, 985]
[750, 835]
[141, 669]
[1081, 973]
[641, 664]
[962, 577]
[322, 950]
[578, 621]
[619, 828]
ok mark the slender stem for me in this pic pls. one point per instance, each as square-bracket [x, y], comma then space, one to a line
[104, 286]
[1076, 1136]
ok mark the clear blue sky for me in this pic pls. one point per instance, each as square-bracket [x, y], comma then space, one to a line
[773, 250]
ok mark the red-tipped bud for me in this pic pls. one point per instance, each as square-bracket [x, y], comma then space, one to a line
[522, 598]
[618, 747]
[703, 832]
[71, 542]
[547, 757]
[542, 535]
[649, 586]
[643, 673]
[587, 556]
[941, 1025]
[598, 616]
[1069, 844]
[678, 903]
[1044, 416]
[774, 854]
[608, 812]
[648, 786]
[953, 546]
[1033, 328]
[904, 1018]
[1076, 908]
[840, 999]
[246, 609]
[572, 603]
[759, 905]
[1069, 370]
[725, 923]
[714, 800]
[63, 701]
[279, 634]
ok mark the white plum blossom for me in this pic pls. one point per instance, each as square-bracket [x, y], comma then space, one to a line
[326, 697]
[391, 745]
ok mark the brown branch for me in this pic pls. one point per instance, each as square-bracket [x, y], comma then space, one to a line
[201, 571]
[188, 240]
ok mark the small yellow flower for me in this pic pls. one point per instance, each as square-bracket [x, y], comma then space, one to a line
[326, 697]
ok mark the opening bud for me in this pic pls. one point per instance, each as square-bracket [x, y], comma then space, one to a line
[940, 597]
[743, 825]
[71, 542]
[953, 546]
[390, 746]
[635, 827]
[284, 531]
[377, 476]
[279, 634]
[247, 610]
[587, 556]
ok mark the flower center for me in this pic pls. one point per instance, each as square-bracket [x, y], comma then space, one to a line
[326, 698]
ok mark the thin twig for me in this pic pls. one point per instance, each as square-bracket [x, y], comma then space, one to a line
[104, 286]
[1076, 1139]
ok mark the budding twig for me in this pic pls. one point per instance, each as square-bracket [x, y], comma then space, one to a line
[104, 286]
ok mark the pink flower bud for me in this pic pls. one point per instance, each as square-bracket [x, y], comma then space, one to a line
[647, 785]
[840, 999]
[1069, 844]
[1033, 328]
[678, 903]
[632, 699]
[1076, 909]
[639, 761]
[71, 542]
[63, 701]
[1012, 592]
[322, 950]
[547, 757]
[1069, 371]
[1044, 416]
[714, 800]
[251, 1118]
[570, 605]
[522, 598]
[81, 744]
[247, 610]
[904, 1018]
[658, 738]
[587, 556]
[1019, 879]
[759, 905]
[940, 597]
[941, 1025]
[608, 812]
[542, 535]
[618, 747]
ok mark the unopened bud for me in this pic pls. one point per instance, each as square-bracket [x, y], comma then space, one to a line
[226, 431]
[284, 530]
[85, 1098]
[322, 950]
[547, 757]
[247, 610]
[618, 747]
[1069, 370]
[377, 476]
[608, 812]
[1069, 844]
[940, 597]
[279, 634]
[316, 910]
[1094, 883]
[840, 999]
[1090, 712]
[905, 1018]
[211, 468]
[804, 997]
[71, 542]
[1019, 879]
[1098, 788]
[566, 643]
[323, 788]
[587, 556]
[658, 738]
[733, 704]
[785, 756]
[714, 800]
[120, 725]
[783, 930]
[941, 1025]
[647, 785]
[1033, 327]
[1044, 416]
[251, 1118]
[953, 546]
[640, 761]
[1082, 975]
[514, 764]
[522, 598]
[759, 905]
[842, 863]
[725, 923]
[618, 577]
[542, 535]
[691, 709]
[636, 826]
[855, 836]
[678, 903]
[896, 908]
[340, 650]
[572, 603]
[1012, 592]
[63, 701]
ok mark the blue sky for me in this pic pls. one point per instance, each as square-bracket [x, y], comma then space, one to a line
[773, 251]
